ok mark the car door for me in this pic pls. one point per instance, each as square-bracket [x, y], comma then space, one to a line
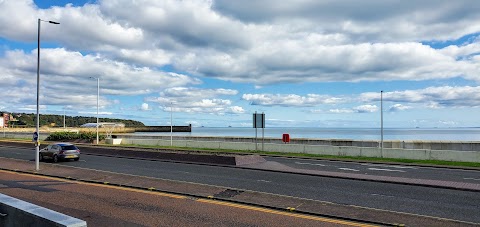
[55, 149]
[47, 151]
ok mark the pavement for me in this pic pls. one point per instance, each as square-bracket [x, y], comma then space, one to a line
[272, 201]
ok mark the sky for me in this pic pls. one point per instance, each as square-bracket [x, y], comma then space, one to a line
[213, 63]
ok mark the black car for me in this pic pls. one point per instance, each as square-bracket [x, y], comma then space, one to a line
[60, 151]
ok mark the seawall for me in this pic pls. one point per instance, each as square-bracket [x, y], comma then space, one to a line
[396, 144]
[398, 153]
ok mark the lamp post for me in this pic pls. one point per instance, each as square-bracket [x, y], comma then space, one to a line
[64, 127]
[98, 95]
[171, 124]
[37, 144]
[381, 124]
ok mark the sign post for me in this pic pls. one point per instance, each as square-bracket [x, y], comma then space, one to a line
[259, 122]
[37, 150]
[35, 137]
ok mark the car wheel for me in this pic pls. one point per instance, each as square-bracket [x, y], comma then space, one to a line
[40, 158]
[55, 158]
[76, 159]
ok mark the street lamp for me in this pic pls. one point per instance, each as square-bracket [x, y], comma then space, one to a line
[98, 95]
[171, 124]
[381, 124]
[37, 144]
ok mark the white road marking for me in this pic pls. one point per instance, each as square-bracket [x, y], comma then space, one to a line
[389, 170]
[390, 166]
[306, 163]
[382, 195]
[469, 178]
[356, 170]
[264, 181]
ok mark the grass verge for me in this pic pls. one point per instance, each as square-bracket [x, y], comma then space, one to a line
[315, 156]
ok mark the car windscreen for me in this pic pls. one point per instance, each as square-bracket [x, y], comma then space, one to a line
[69, 147]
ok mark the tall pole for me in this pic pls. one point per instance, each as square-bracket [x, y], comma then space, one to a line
[37, 130]
[3, 124]
[171, 124]
[381, 124]
[64, 127]
[98, 95]
[37, 144]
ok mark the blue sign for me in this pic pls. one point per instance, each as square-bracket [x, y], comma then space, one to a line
[35, 137]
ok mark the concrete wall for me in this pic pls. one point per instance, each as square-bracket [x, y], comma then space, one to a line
[430, 145]
[22, 135]
[418, 154]
[21, 213]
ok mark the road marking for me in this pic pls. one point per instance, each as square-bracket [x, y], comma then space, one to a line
[282, 213]
[389, 170]
[102, 185]
[264, 181]
[306, 163]
[383, 195]
[391, 166]
[348, 169]
[469, 178]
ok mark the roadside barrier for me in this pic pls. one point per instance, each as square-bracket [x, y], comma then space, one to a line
[15, 212]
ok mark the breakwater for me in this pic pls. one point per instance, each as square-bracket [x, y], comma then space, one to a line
[187, 128]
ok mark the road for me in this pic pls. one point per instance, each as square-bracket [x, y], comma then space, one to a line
[394, 170]
[115, 206]
[445, 203]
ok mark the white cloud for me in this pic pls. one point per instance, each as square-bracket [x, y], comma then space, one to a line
[145, 107]
[65, 78]
[341, 111]
[196, 100]
[398, 107]
[366, 109]
[236, 110]
[433, 97]
[254, 42]
[290, 99]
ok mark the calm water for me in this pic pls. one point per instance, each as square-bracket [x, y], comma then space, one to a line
[446, 134]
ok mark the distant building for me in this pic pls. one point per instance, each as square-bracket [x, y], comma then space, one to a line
[103, 125]
[4, 119]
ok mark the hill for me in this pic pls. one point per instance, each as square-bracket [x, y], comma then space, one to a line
[28, 120]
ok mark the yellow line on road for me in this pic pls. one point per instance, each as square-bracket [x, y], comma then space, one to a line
[210, 201]
[103, 185]
[266, 210]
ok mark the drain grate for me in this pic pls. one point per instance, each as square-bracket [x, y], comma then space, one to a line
[229, 193]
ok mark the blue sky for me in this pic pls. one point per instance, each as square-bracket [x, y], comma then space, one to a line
[213, 63]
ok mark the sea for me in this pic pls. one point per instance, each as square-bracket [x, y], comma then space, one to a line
[402, 134]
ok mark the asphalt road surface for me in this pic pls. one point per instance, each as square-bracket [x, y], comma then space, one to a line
[445, 203]
[103, 205]
[394, 170]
